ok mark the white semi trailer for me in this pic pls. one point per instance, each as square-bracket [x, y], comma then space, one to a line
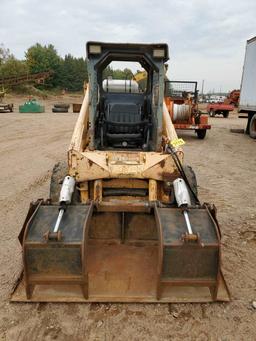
[247, 103]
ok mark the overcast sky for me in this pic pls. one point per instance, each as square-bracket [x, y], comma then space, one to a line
[206, 38]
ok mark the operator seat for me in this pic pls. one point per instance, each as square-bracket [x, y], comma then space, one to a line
[124, 125]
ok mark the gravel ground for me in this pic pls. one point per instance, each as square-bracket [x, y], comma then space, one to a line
[225, 164]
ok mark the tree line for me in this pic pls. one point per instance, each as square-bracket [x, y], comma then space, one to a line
[67, 73]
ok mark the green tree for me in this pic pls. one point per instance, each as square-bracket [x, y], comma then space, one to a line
[4, 54]
[128, 73]
[73, 73]
[13, 67]
[9, 65]
[43, 58]
[107, 72]
[117, 73]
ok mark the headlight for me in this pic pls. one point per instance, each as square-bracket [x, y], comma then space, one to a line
[95, 49]
[159, 53]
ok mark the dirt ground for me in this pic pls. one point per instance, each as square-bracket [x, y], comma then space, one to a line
[225, 164]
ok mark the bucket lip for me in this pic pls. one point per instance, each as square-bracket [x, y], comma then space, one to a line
[71, 294]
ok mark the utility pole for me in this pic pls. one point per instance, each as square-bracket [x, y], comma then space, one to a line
[202, 91]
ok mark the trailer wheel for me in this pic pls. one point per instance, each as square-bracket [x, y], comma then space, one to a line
[252, 127]
[211, 113]
[201, 133]
[60, 170]
[225, 114]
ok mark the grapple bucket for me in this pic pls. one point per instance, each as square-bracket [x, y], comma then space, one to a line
[120, 255]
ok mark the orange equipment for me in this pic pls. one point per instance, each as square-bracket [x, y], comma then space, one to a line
[181, 101]
[233, 98]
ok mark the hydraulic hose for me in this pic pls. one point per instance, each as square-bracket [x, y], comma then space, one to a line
[169, 149]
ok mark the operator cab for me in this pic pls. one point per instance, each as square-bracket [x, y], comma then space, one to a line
[125, 113]
[125, 116]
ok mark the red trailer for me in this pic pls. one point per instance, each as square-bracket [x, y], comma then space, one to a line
[219, 109]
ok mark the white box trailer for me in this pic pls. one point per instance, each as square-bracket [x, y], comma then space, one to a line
[247, 102]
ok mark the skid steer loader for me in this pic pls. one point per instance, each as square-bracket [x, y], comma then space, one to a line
[123, 222]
